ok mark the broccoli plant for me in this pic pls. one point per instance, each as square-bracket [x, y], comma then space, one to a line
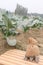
[25, 28]
[8, 24]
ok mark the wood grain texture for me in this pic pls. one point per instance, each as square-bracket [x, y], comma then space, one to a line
[16, 57]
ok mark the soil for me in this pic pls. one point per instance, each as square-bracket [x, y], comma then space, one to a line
[22, 40]
[35, 33]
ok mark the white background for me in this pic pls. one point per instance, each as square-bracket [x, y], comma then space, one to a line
[34, 6]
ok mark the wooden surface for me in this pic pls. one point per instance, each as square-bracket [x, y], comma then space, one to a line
[16, 57]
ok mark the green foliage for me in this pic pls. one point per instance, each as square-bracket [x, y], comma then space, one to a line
[25, 17]
[37, 25]
[7, 21]
[25, 28]
[0, 26]
[14, 19]
[8, 24]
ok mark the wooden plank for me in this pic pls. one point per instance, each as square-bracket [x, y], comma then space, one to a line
[14, 60]
[16, 57]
